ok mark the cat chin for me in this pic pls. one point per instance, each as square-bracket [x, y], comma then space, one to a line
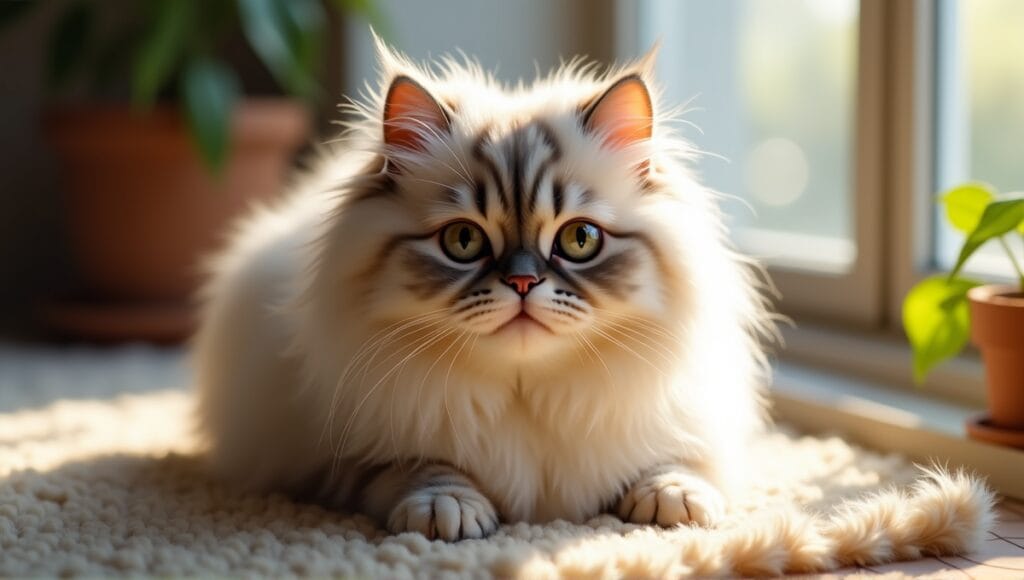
[525, 337]
[523, 324]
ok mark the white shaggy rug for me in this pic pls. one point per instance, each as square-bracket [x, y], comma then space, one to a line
[111, 487]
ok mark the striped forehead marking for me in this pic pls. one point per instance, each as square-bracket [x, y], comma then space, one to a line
[517, 163]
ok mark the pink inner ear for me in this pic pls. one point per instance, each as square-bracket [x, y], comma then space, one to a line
[624, 113]
[409, 113]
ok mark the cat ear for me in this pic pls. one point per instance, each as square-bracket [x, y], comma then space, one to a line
[624, 114]
[412, 115]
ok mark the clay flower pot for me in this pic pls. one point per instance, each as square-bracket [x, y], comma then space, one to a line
[143, 210]
[997, 329]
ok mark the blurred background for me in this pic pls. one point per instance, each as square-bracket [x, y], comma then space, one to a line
[132, 130]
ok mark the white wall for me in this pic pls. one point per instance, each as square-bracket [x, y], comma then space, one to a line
[513, 37]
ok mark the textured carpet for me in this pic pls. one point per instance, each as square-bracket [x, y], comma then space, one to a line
[110, 487]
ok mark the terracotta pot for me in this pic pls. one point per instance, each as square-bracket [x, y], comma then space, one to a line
[997, 329]
[143, 209]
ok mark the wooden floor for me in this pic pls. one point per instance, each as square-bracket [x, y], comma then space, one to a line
[1002, 556]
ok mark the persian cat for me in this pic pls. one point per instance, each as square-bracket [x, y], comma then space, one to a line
[489, 304]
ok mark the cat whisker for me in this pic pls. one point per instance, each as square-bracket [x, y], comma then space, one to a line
[431, 329]
[626, 348]
[340, 388]
[660, 339]
[375, 341]
[423, 345]
[397, 380]
[579, 347]
[608, 373]
[647, 323]
[641, 338]
[424, 326]
[374, 344]
[590, 345]
[387, 332]
[343, 441]
[460, 447]
[630, 337]
[423, 381]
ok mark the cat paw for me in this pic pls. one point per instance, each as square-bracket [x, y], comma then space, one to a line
[448, 513]
[672, 497]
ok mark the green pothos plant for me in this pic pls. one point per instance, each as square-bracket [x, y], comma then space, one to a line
[936, 313]
[175, 49]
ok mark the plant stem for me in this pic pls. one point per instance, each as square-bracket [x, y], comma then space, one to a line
[1013, 260]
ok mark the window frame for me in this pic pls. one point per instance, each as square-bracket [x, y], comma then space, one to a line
[912, 86]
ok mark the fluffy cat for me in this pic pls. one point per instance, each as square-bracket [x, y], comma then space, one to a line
[489, 304]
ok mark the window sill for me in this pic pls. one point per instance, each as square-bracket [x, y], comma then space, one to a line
[884, 359]
[892, 419]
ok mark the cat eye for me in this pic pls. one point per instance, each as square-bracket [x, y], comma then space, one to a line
[579, 241]
[463, 241]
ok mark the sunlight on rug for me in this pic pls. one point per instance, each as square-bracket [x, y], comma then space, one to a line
[113, 487]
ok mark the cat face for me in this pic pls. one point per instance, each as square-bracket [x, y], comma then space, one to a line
[534, 233]
[528, 254]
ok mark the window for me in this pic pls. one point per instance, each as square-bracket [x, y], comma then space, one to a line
[980, 125]
[771, 86]
[783, 95]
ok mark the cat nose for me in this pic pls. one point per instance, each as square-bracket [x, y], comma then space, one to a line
[522, 284]
[521, 271]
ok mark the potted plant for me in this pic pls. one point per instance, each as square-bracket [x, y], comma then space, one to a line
[942, 312]
[153, 175]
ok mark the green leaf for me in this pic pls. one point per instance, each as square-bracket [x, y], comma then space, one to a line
[305, 20]
[965, 204]
[161, 49]
[1017, 195]
[67, 45]
[285, 33]
[936, 317]
[209, 90]
[999, 217]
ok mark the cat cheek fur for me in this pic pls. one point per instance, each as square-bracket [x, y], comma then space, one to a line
[331, 352]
